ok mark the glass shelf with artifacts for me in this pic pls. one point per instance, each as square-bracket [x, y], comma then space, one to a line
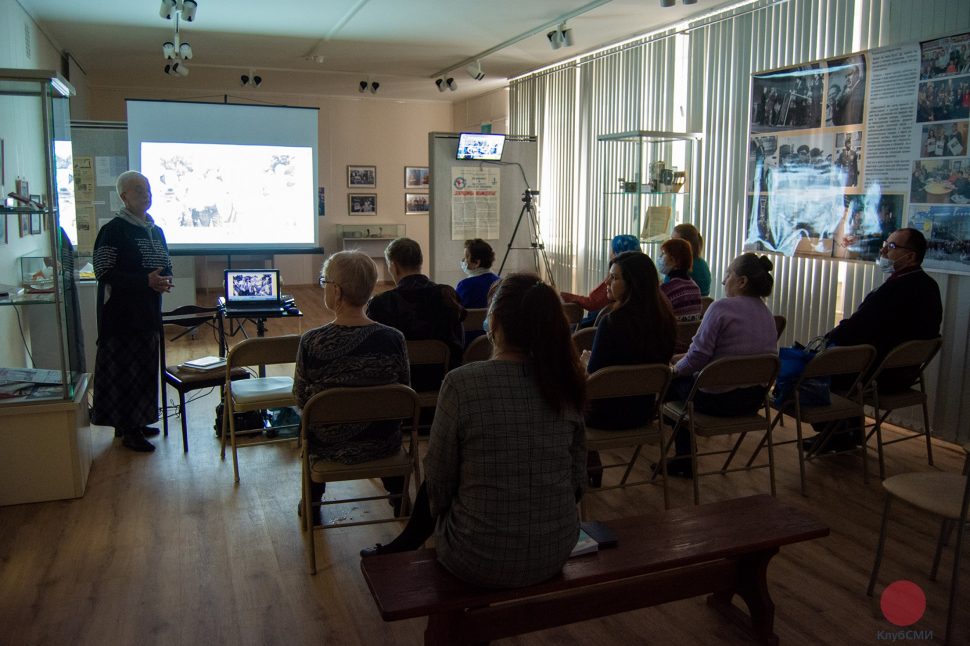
[646, 180]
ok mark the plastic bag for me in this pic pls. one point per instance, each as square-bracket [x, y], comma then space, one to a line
[812, 392]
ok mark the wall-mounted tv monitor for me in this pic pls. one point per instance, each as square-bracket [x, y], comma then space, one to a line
[228, 178]
[480, 146]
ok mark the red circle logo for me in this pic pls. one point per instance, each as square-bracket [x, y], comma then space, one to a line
[903, 603]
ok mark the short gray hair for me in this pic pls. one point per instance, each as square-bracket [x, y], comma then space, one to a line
[355, 273]
[121, 184]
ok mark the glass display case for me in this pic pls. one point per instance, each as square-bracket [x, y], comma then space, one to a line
[646, 183]
[51, 369]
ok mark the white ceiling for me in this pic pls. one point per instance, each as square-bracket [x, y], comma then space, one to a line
[398, 43]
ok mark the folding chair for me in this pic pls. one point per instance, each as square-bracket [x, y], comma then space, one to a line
[474, 318]
[478, 350]
[780, 324]
[831, 362]
[728, 372]
[914, 355]
[574, 314]
[188, 319]
[629, 381]
[583, 339]
[946, 495]
[259, 393]
[705, 303]
[430, 353]
[353, 406]
[684, 334]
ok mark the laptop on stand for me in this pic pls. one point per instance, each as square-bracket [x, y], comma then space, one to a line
[253, 293]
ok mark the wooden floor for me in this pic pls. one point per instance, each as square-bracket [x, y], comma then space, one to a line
[165, 549]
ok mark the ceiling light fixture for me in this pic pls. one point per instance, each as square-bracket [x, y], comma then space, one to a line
[175, 50]
[560, 37]
[450, 82]
[374, 86]
[362, 87]
[475, 71]
[690, 1]
[250, 80]
[667, 3]
[446, 83]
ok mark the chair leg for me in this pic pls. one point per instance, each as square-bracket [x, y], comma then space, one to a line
[946, 526]
[629, 467]
[308, 521]
[662, 463]
[734, 450]
[757, 452]
[693, 462]
[185, 428]
[164, 405]
[801, 453]
[771, 454]
[926, 431]
[951, 611]
[879, 448]
[880, 545]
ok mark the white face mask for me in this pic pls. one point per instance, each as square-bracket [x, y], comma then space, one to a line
[463, 265]
[662, 266]
[885, 264]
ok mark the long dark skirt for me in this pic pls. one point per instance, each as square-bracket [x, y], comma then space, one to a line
[126, 381]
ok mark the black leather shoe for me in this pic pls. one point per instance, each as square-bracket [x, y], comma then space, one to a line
[372, 551]
[149, 431]
[135, 441]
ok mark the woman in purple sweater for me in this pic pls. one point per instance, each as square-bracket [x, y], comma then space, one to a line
[738, 325]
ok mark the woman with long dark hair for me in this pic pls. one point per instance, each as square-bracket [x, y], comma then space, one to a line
[507, 453]
[640, 328]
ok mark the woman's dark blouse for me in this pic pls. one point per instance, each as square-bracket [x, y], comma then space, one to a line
[336, 356]
[613, 347]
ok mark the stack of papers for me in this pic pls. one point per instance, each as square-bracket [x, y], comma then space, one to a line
[204, 364]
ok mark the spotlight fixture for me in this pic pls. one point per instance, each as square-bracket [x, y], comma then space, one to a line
[175, 50]
[667, 3]
[250, 80]
[475, 71]
[362, 87]
[441, 85]
[690, 1]
[374, 86]
[560, 37]
[450, 82]
[446, 83]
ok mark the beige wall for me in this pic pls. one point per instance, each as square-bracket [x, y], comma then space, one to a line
[490, 108]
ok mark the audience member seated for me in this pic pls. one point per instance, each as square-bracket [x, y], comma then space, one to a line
[419, 308]
[676, 260]
[639, 328]
[352, 350]
[507, 454]
[737, 325]
[700, 273]
[597, 299]
[478, 259]
[906, 307]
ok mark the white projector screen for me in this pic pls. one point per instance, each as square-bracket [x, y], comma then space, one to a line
[228, 178]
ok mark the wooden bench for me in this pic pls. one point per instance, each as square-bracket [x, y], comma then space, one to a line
[720, 548]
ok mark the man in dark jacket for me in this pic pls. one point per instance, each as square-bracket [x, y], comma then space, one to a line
[419, 308]
[906, 307]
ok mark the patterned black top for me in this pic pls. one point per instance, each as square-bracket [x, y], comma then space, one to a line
[336, 356]
[124, 255]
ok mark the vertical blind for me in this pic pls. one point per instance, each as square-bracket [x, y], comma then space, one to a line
[640, 85]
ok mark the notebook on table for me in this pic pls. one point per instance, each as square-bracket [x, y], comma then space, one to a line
[253, 292]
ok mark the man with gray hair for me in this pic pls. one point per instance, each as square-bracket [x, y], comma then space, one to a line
[133, 268]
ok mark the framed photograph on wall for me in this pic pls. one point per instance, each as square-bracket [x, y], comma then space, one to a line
[362, 177]
[416, 177]
[35, 224]
[415, 203]
[24, 224]
[362, 203]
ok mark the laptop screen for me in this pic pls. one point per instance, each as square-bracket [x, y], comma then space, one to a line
[244, 286]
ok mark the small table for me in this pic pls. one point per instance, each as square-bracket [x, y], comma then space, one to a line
[239, 319]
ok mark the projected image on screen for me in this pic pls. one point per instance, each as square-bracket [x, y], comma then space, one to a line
[200, 192]
[66, 212]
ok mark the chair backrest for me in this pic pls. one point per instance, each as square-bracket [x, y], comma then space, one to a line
[705, 303]
[686, 331]
[474, 318]
[840, 360]
[583, 339]
[629, 381]
[362, 404]
[780, 324]
[910, 353]
[264, 351]
[480, 349]
[739, 372]
[428, 352]
[573, 312]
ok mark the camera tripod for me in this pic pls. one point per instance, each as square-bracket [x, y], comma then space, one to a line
[535, 239]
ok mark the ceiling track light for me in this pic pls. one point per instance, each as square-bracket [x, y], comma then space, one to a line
[446, 83]
[475, 71]
[374, 86]
[560, 37]
[450, 82]
[250, 80]
[175, 50]
[362, 87]
[668, 3]
[690, 1]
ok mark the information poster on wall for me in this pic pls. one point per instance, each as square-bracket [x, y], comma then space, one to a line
[843, 152]
[475, 198]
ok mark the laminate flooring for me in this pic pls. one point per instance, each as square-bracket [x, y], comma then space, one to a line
[164, 549]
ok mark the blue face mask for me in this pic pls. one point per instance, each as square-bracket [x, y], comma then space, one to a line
[485, 325]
